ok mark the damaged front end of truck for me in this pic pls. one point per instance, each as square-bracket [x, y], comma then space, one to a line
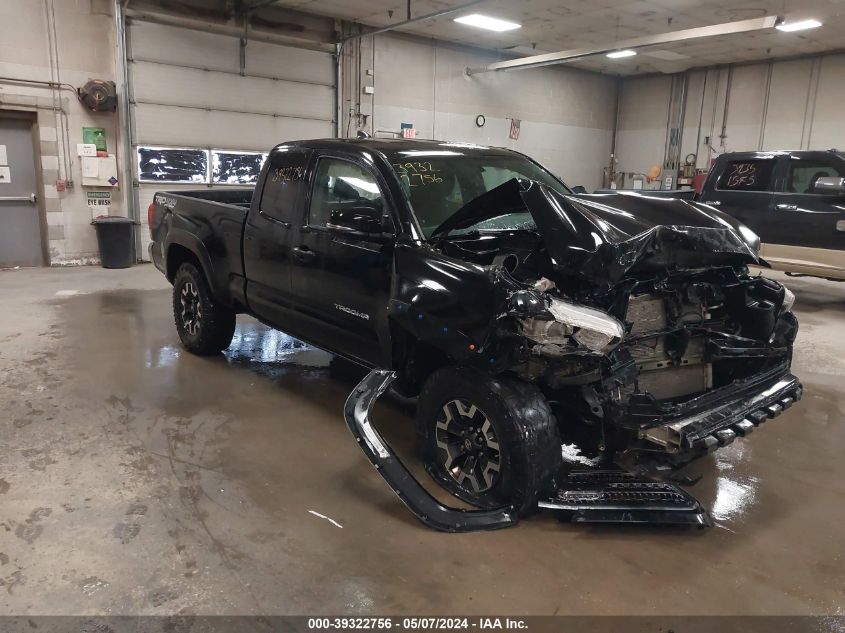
[636, 317]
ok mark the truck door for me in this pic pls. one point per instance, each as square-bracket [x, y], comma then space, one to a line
[743, 190]
[341, 279]
[808, 226]
[276, 208]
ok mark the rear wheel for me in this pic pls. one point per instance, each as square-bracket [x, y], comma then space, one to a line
[489, 441]
[205, 327]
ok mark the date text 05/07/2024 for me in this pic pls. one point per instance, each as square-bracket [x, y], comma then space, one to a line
[416, 624]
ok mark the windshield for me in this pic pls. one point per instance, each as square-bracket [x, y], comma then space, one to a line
[439, 183]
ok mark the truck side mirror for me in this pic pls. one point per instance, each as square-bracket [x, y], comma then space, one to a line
[830, 185]
[364, 220]
[579, 189]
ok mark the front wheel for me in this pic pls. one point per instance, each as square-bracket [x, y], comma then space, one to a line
[488, 440]
[205, 327]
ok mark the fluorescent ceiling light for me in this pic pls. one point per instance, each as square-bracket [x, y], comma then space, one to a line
[618, 54]
[486, 22]
[798, 26]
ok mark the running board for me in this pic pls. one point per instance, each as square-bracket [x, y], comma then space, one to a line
[604, 496]
[425, 507]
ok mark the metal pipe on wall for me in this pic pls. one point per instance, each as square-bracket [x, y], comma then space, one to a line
[701, 116]
[812, 97]
[122, 76]
[422, 18]
[724, 134]
[767, 92]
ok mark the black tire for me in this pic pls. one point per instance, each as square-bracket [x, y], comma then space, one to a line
[205, 327]
[523, 428]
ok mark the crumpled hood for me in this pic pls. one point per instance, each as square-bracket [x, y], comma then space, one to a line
[603, 236]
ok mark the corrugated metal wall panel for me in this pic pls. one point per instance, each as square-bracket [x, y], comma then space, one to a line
[289, 63]
[183, 46]
[187, 127]
[170, 85]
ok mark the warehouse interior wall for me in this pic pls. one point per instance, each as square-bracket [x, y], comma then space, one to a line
[778, 105]
[566, 115]
[70, 42]
[193, 89]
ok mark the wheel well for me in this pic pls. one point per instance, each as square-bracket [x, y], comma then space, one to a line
[178, 255]
[417, 360]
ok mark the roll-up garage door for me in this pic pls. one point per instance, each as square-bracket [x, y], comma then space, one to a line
[199, 120]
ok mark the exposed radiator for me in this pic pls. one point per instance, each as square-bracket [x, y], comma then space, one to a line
[658, 375]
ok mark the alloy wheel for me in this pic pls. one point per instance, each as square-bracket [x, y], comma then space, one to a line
[191, 308]
[469, 444]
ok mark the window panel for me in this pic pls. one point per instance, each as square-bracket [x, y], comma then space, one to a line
[340, 184]
[236, 168]
[747, 175]
[169, 164]
[803, 175]
[284, 185]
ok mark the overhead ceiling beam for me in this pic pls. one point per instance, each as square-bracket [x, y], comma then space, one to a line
[547, 59]
[421, 18]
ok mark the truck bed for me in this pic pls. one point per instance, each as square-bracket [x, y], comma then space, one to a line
[208, 223]
[240, 197]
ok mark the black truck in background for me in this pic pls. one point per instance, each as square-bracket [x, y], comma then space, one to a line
[523, 316]
[795, 202]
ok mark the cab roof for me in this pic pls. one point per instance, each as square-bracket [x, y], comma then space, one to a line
[396, 145]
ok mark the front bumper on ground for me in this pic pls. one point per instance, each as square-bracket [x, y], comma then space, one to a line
[719, 424]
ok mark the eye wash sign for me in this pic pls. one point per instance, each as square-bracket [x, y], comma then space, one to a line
[99, 202]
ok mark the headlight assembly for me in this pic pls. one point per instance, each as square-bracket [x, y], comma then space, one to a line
[788, 300]
[591, 328]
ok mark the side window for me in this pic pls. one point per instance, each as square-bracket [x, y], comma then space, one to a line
[803, 174]
[286, 177]
[339, 184]
[747, 175]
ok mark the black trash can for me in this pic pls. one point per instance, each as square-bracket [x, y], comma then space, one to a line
[115, 237]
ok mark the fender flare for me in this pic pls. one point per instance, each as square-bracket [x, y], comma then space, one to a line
[195, 245]
[425, 507]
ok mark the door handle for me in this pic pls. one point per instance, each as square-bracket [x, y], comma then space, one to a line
[713, 203]
[304, 255]
[30, 198]
[787, 207]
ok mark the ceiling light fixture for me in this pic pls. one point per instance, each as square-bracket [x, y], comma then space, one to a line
[624, 53]
[488, 23]
[798, 26]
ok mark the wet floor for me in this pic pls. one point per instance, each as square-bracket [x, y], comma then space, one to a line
[136, 478]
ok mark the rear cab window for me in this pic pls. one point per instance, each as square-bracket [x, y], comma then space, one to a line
[284, 185]
[747, 175]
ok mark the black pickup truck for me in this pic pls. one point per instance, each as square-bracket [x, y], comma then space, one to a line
[523, 316]
[795, 202]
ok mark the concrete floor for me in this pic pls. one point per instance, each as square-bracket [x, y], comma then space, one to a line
[138, 479]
